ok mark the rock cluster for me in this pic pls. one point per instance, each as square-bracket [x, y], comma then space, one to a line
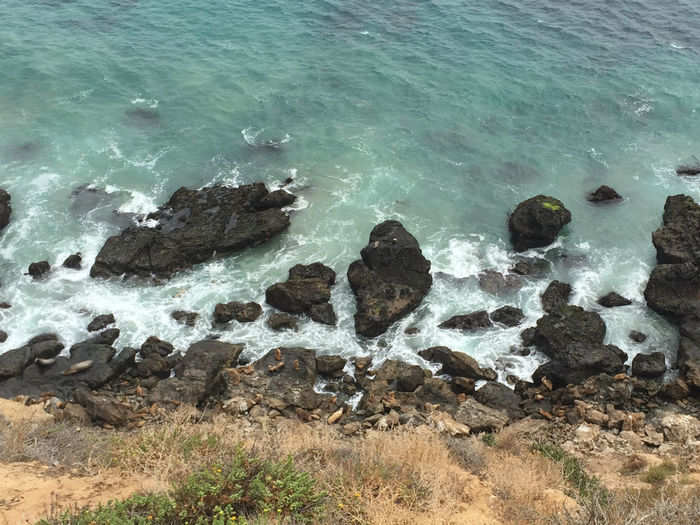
[306, 291]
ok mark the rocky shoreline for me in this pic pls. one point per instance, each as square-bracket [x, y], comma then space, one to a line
[585, 380]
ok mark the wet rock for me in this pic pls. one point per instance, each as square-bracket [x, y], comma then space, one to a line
[190, 228]
[155, 346]
[604, 194]
[13, 362]
[463, 385]
[282, 322]
[152, 366]
[3, 336]
[498, 396]
[186, 318]
[330, 365]
[457, 364]
[298, 295]
[39, 269]
[323, 313]
[468, 322]
[675, 390]
[689, 169]
[74, 262]
[556, 295]
[637, 337]
[391, 279]
[143, 117]
[480, 418]
[529, 336]
[100, 322]
[531, 266]
[613, 299]
[508, 315]
[496, 283]
[276, 199]
[5, 306]
[649, 365]
[5, 209]
[435, 391]
[241, 312]
[536, 222]
[578, 361]
[569, 324]
[106, 337]
[100, 205]
[315, 270]
[195, 373]
[102, 408]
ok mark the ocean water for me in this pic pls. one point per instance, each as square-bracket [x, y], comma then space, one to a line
[442, 114]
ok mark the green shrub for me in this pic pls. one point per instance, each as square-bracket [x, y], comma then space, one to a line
[659, 473]
[586, 486]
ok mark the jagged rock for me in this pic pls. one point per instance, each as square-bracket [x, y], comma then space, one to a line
[195, 373]
[298, 296]
[152, 366]
[674, 290]
[508, 315]
[480, 418]
[323, 313]
[637, 337]
[555, 296]
[191, 227]
[13, 362]
[155, 346]
[106, 337]
[613, 299]
[580, 360]
[468, 322]
[604, 194]
[649, 365]
[282, 322]
[186, 318]
[5, 209]
[529, 336]
[102, 408]
[276, 199]
[463, 385]
[457, 364]
[498, 396]
[74, 262]
[391, 279]
[677, 242]
[100, 322]
[536, 222]
[315, 270]
[330, 365]
[39, 269]
[241, 312]
[496, 283]
[568, 324]
[437, 392]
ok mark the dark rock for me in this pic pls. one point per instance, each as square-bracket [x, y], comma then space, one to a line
[297, 296]
[195, 373]
[3, 336]
[437, 392]
[391, 279]
[312, 271]
[5, 306]
[13, 362]
[529, 336]
[677, 240]
[579, 361]
[689, 169]
[330, 365]
[463, 385]
[154, 365]
[100, 322]
[155, 346]
[276, 199]
[186, 318]
[106, 337]
[39, 269]
[604, 194]
[637, 337]
[46, 349]
[555, 296]
[612, 300]
[469, 322]
[531, 266]
[5, 209]
[496, 395]
[496, 283]
[508, 315]
[675, 390]
[536, 222]
[457, 364]
[412, 330]
[323, 313]
[102, 408]
[74, 262]
[241, 312]
[569, 324]
[649, 365]
[191, 227]
[282, 322]
[674, 290]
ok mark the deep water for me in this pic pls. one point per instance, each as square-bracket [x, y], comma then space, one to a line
[443, 114]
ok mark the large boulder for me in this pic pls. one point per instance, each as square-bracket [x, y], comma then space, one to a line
[456, 364]
[674, 290]
[189, 229]
[499, 396]
[391, 279]
[306, 291]
[555, 296]
[678, 240]
[580, 360]
[537, 221]
[649, 365]
[5, 209]
[566, 325]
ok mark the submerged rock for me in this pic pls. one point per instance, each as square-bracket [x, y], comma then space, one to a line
[468, 322]
[496, 283]
[186, 318]
[536, 222]
[279, 322]
[390, 281]
[613, 299]
[637, 337]
[5, 209]
[604, 194]
[190, 228]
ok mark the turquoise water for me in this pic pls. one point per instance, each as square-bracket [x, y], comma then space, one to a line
[442, 114]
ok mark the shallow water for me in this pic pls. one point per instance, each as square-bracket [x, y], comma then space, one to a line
[442, 114]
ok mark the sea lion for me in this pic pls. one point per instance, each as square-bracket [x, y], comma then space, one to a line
[78, 367]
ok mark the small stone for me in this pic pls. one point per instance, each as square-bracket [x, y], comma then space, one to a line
[613, 299]
[3, 336]
[186, 318]
[604, 194]
[637, 337]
